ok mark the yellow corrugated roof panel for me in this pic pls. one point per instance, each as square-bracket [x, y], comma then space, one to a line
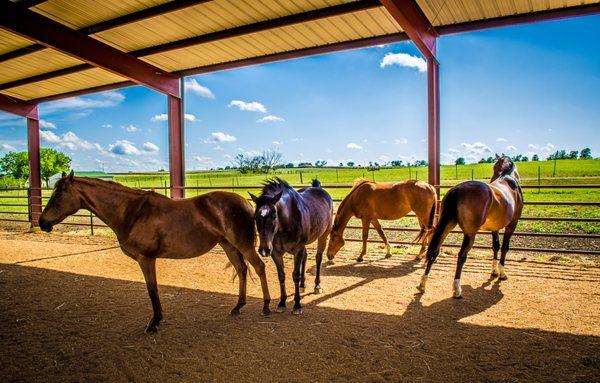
[82, 80]
[10, 42]
[35, 63]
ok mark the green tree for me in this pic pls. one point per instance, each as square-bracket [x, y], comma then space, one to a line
[586, 153]
[535, 157]
[573, 155]
[460, 161]
[52, 162]
[15, 164]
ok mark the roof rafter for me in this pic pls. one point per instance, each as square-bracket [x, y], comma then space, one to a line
[260, 26]
[413, 21]
[54, 35]
[19, 107]
[110, 24]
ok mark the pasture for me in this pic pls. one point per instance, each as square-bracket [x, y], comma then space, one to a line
[83, 306]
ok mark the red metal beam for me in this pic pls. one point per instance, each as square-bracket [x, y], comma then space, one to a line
[335, 10]
[112, 23]
[526, 18]
[35, 184]
[57, 36]
[433, 121]
[19, 107]
[413, 21]
[176, 146]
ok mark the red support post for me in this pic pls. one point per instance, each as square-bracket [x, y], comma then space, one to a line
[35, 184]
[433, 120]
[176, 145]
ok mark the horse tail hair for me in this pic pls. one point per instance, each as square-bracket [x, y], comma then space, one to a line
[425, 230]
[448, 216]
[359, 181]
[236, 274]
[316, 183]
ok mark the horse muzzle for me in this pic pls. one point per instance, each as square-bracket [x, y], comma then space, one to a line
[45, 225]
[265, 251]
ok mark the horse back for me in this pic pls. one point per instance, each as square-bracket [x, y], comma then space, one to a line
[316, 209]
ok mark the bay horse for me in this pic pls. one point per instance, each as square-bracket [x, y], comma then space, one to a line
[150, 226]
[287, 220]
[372, 201]
[477, 206]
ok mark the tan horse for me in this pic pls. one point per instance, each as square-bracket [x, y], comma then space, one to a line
[477, 206]
[150, 226]
[372, 201]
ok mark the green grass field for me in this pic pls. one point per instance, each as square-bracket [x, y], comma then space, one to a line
[564, 172]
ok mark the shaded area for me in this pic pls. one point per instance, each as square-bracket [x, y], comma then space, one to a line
[70, 327]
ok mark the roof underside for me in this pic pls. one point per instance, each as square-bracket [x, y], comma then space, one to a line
[209, 34]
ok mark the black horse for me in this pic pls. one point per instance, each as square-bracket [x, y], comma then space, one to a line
[287, 220]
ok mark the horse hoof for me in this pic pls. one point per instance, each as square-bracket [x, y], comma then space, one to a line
[302, 289]
[421, 288]
[502, 277]
[234, 312]
[457, 297]
[388, 255]
[359, 259]
[266, 311]
[318, 290]
[151, 329]
[297, 311]
[494, 274]
[280, 309]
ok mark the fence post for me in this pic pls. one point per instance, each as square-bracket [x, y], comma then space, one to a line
[554, 172]
[417, 175]
[472, 174]
[301, 181]
[373, 175]
[409, 173]
[91, 223]
[455, 171]
[539, 177]
[337, 176]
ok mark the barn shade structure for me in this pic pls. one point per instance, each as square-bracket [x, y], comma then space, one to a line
[63, 48]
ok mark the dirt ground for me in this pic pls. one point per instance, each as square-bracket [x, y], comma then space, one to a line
[74, 309]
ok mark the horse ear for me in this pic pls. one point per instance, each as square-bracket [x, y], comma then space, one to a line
[497, 157]
[254, 198]
[277, 196]
[63, 175]
[71, 175]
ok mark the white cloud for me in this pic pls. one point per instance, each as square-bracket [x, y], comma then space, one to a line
[106, 126]
[277, 143]
[202, 158]
[69, 140]
[453, 151]
[399, 141]
[190, 117]
[123, 147]
[248, 106]
[223, 137]
[160, 117]
[271, 118]
[150, 147]
[501, 139]
[130, 128]
[405, 60]
[511, 148]
[352, 145]
[193, 86]
[533, 146]
[549, 145]
[101, 100]
[47, 124]
[547, 148]
[8, 148]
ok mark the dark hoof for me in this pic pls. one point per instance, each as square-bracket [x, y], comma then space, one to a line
[388, 255]
[151, 329]
[421, 289]
[458, 297]
[359, 259]
[318, 290]
[503, 278]
[494, 274]
[234, 312]
[280, 309]
[302, 289]
[266, 311]
[297, 311]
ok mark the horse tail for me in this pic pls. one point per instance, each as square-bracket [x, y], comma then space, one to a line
[448, 216]
[428, 228]
[359, 181]
[316, 183]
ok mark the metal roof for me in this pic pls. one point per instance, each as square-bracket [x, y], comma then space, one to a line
[188, 37]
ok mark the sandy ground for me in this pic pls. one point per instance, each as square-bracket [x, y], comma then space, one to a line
[74, 309]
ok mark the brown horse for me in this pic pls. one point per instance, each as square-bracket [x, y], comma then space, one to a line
[287, 220]
[476, 206]
[372, 201]
[150, 226]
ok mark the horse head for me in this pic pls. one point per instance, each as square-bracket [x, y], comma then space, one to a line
[504, 166]
[63, 202]
[336, 242]
[266, 220]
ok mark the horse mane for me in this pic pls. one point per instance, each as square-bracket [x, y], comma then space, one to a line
[273, 186]
[357, 183]
[113, 186]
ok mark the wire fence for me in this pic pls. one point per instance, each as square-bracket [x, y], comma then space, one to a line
[573, 226]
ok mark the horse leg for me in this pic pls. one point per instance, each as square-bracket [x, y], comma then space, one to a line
[365, 237]
[467, 243]
[298, 259]
[148, 266]
[259, 267]
[508, 232]
[321, 244]
[278, 260]
[495, 247]
[237, 260]
[388, 249]
[303, 275]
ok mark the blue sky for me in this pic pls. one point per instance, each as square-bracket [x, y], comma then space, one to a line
[527, 89]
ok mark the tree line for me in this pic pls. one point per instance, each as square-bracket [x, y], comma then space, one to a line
[16, 164]
[585, 154]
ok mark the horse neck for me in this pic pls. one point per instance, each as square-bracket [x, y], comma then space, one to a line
[343, 215]
[107, 202]
[288, 211]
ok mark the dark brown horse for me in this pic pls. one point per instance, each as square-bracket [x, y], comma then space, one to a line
[150, 226]
[287, 220]
[476, 206]
[372, 201]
